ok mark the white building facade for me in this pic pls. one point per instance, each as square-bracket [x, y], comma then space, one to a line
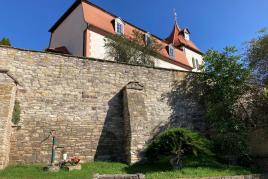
[82, 30]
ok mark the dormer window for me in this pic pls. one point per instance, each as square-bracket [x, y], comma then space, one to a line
[186, 34]
[119, 26]
[171, 51]
[147, 39]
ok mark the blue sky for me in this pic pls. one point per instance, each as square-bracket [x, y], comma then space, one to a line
[213, 23]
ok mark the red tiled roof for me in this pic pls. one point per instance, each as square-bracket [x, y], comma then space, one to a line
[103, 20]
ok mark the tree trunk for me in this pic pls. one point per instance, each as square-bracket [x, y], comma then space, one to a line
[176, 162]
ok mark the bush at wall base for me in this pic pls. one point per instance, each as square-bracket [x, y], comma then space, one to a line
[177, 143]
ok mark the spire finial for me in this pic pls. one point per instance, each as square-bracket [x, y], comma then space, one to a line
[175, 16]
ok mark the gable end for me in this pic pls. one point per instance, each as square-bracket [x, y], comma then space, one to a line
[65, 15]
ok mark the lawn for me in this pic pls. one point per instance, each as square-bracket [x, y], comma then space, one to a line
[160, 170]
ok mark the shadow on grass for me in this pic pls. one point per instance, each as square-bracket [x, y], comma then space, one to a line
[191, 164]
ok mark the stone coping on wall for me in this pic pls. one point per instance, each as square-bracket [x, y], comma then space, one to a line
[93, 59]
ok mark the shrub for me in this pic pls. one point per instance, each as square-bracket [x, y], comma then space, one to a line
[176, 143]
[16, 113]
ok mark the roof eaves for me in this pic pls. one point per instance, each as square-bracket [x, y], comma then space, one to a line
[191, 48]
[178, 63]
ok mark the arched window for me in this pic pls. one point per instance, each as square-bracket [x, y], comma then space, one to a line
[119, 26]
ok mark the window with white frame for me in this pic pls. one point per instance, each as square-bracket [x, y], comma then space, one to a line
[119, 26]
[147, 39]
[195, 63]
[171, 51]
[187, 35]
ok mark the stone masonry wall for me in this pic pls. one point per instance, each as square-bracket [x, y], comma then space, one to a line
[7, 99]
[82, 100]
[135, 114]
[258, 142]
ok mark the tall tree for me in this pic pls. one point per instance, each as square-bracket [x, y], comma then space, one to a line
[220, 89]
[257, 55]
[132, 50]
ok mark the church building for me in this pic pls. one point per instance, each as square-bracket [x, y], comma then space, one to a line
[82, 30]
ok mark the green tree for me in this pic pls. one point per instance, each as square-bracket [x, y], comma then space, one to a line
[132, 50]
[220, 88]
[257, 55]
[5, 41]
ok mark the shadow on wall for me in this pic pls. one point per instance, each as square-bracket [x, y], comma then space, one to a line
[186, 112]
[110, 145]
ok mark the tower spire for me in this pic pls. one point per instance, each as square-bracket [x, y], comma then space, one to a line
[174, 36]
[175, 16]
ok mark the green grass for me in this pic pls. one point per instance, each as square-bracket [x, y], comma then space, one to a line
[160, 170]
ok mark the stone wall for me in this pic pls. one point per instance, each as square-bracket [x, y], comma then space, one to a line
[135, 114]
[260, 146]
[82, 99]
[7, 99]
[258, 142]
